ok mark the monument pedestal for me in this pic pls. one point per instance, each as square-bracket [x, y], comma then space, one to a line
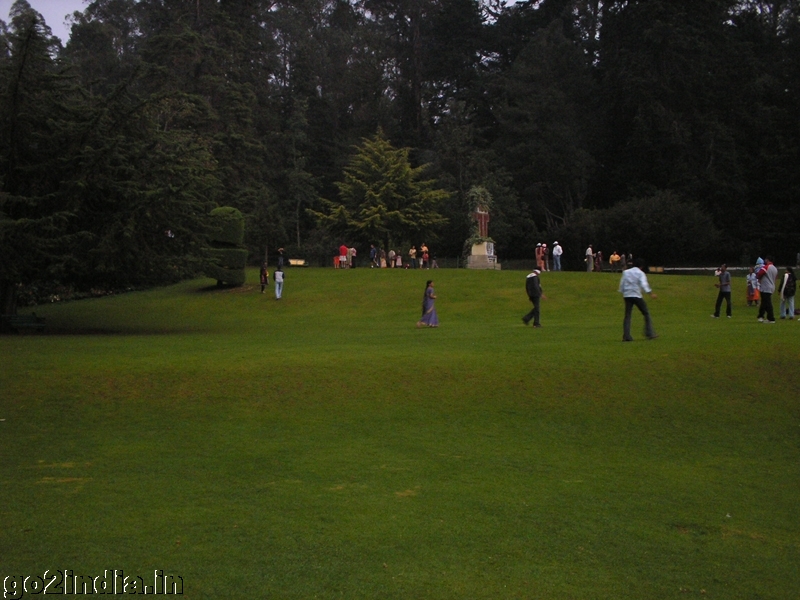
[482, 257]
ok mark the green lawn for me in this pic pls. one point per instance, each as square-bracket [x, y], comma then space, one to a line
[323, 447]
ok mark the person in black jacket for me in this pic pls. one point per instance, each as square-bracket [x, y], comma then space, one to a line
[788, 288]
[534, 290]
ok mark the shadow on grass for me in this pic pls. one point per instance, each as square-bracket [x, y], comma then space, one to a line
[234, 289]
[65, 330]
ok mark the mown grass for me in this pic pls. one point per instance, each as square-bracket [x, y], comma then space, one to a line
[322, 447]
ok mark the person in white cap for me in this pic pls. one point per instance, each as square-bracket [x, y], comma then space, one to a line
[538, 255]
[557, 252]
[534, 291]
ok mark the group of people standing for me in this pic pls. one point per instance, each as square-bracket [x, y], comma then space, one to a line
[542, 254]
[763, 281]
[346, 259]
[277, 276]
[616, 262]
[417, 259]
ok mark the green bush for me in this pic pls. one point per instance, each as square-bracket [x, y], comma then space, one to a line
[228, 225]
[229, 276]
[228, 258]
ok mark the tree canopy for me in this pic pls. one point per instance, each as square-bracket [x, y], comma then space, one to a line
[383, 199]
[155, 112]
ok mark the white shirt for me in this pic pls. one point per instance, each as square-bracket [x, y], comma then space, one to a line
[633, 282]
[278, 276]
[557, 251]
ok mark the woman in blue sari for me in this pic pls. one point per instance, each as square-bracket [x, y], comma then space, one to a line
[429, 317]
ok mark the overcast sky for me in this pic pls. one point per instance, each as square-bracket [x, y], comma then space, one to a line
[53, 12]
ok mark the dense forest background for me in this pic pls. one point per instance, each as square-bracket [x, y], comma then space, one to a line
[669, 128]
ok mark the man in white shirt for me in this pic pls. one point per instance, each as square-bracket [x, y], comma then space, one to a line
[589, 258]
[766, 282]
[278, 276]
[557, 252]
[631, 286]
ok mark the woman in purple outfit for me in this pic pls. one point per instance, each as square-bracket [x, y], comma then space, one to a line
[429, 317]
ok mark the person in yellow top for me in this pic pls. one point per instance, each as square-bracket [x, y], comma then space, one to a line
[613, 260]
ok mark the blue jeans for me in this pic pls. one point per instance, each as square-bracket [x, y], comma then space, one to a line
[787, 307]
[626, 324]
[556, 263]
[278, 289]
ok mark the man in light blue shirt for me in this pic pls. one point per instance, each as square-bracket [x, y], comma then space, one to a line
[631, 286]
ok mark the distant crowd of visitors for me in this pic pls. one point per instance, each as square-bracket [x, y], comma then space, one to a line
[379, 258]
[763, 281]
[594, 260]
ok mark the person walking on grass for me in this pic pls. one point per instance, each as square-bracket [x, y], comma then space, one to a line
[373, 256]
[278, 283]
[631, 286]
[429, 316]
[788, 289]
[767, 275]
[534, 290]
[724, 286]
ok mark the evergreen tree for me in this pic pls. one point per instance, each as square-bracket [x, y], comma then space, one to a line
[546, 118]
[38, 107]
[383, 199]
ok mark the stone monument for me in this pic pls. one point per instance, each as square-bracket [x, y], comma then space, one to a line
[481, 254]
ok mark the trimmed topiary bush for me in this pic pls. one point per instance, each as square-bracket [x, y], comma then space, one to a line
[226, 258]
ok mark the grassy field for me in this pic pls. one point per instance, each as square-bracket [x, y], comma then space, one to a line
[322, 447]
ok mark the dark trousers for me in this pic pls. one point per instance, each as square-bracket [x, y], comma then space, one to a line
[534, 314]
[626, 324]
[766, 307]
[727, 297]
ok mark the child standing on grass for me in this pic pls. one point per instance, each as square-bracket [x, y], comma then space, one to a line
[264, 277]
[752, 288]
